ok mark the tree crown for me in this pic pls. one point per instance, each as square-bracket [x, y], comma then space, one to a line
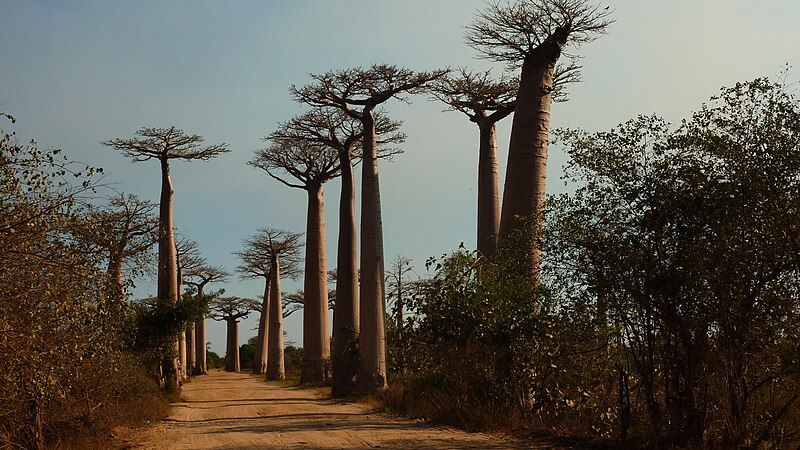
[165, 144]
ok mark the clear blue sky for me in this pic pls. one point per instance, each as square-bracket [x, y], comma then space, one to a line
[76, 72]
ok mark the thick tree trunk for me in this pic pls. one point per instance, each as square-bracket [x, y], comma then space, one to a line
[167, 268]
[372, 338]
[200, 367]
[488, 190]
[345, 317]
[232, 350]
[275, 364]
[316, 341]
[261, 357]
[191, 353]
[526, 170]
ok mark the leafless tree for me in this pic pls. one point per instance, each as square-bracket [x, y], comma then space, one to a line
[532, 35]
[231, 310]
[333, 128]
[165, 144]
[272, 254]
[125, 230]
[307, 165]
[188, 258]
[200, 277]
[358, 92]
[485, 101]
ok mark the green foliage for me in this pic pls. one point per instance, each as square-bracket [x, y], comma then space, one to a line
[247, 353]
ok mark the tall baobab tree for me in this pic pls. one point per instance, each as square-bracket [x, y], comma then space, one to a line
[485, 102]
[358, 92]
[231, 310]
[333, 128]
[165, 144]
[125, 230]
[188, 258]
[311, 165]
[262, 252]
[200, 277]
[532, 35]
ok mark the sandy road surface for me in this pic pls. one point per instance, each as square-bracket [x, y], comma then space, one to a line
[230, 410]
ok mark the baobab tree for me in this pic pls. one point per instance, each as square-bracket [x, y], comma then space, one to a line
[125, 230]
[485, 101]
[532, 35]
[199, 278]
[262, 252]
[311, 165]
[333, 128]
[231, 310]
[188, 258]
[165, 144]
[358, 92]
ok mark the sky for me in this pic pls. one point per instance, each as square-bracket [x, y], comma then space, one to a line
[75, 73]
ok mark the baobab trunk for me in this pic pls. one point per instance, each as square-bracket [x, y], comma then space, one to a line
[117, 279]
[260, 359]
[182, 356]
[526, 170]
[345, 316]
[488, 189]
[200, 340]
[372, 341]
[167, 269]
[191, 353]
[232, 351]
[275, 364]
[316, 342]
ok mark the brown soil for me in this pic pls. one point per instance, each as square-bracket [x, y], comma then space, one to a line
[236, 410]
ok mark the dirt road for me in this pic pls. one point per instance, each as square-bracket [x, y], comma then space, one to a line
[236, 410]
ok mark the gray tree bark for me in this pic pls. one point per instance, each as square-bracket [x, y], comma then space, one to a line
[261, 356]
[372, 338]
[168, 269]
[275, 362]
[316, 341]
[346, 312]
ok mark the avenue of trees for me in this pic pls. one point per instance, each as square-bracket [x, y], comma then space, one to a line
[656, 303]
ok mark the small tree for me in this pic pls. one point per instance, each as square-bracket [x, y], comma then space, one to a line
[231, 310]
[532, 35]
[358, 92]
[165, 144]
[200, 277]
[485, 102]
[188, 258]
[125, 230]
[271, 254]
[311, 165]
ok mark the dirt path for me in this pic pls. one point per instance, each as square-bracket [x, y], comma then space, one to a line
[235, 410]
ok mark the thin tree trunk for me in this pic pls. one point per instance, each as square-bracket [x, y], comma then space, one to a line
[275, 363]
[191, 353]
[345, 315]
[182, 354]
[117, 278]
[260, 359]
[34, 435]
[526, 170]
[372, 338]
[488, 190]
[316, 341]
[167, 268]
[200, 367]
